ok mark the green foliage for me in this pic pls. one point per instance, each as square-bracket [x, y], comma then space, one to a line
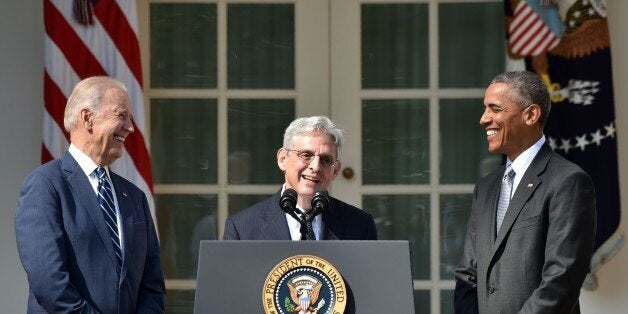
[288, 304]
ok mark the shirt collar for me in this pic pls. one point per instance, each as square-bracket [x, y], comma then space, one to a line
[523, 161]
[295, 225]
[87, 164]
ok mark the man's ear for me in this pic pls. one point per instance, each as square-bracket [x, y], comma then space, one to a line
[86, 118]
[337, 167]
[532, 114]
[281, 158]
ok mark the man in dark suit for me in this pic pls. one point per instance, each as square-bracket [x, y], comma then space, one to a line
[87, 242]
[531, 231]
[309, 161]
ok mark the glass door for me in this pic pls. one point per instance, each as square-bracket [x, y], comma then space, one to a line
[408, 79]
[405, 79]
[223, 79]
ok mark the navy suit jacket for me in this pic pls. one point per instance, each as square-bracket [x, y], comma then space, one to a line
[266, 221]
[66, 250]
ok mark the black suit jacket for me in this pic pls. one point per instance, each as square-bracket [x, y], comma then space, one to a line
[266, 221]
[539, 259]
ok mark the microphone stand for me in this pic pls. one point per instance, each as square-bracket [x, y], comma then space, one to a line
[288, 203]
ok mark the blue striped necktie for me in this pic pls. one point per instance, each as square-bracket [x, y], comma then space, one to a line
[504, 196]
[105, 199]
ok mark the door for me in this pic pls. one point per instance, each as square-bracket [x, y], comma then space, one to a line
[222, 81]
[408, 79]
[405, 79]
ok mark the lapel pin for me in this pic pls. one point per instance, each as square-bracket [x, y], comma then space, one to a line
[124, 194]
[530, 185]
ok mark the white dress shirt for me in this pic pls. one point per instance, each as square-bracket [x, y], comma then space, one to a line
[89, 166]
[523, 161]
[295, 226]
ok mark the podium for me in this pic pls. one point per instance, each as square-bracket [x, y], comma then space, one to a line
[232, 275]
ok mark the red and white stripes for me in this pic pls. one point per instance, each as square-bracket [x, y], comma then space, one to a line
[105, 45]
[528, 35]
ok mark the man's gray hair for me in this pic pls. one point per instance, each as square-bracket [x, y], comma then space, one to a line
[87, 94]
[307, 126]
[526, 88]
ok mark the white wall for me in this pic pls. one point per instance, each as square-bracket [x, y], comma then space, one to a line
[21, 66]
[21, 77]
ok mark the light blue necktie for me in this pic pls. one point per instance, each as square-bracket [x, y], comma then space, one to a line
[105, 199]
[504, 196]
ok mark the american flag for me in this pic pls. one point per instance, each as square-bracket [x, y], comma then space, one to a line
[532, 30]
[581, 125]
[86, 38]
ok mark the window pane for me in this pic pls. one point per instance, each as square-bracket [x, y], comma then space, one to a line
[183, 140]
[183, 221]
[238, 202]
[395, 141]
[471, 43]
[454, 214]
[256, 128]
[462, 135]
[183, 45]
[260, 46]
[180, 301]
[421, 301]
[404, 217]
[394, 46]
[447, 301]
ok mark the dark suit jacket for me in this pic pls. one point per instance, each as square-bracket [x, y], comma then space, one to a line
[539, 259]
[266, 221]
[66, 250]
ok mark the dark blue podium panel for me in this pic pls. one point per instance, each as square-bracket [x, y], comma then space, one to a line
[231, 274]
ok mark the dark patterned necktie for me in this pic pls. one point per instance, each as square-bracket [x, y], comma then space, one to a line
[307, 231]
[105, 199]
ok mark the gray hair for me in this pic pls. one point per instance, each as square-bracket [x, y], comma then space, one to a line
[87, 94]
[526, 88]
[306, 126]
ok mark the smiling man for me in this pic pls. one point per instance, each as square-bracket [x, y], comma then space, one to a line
[85, 235]
[532, 226]
[309, 162]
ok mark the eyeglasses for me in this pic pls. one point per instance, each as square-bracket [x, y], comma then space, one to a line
[307, 156]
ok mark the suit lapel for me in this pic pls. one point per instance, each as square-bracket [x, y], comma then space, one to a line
[528, 184]
[274, 224]
[485, 233]
[493, 199]
[333, 226]
[126, 217]
[83, 191]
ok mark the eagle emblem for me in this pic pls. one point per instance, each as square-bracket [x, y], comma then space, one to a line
[304, 292]
[304, 284]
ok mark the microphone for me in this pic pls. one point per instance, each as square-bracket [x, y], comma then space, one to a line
[320, 202]
[288, 203]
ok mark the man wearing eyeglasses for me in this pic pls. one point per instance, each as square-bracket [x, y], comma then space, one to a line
[309, 162]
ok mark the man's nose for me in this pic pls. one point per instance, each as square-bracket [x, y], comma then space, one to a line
[485, 118]
[315, 163]
[129, 126]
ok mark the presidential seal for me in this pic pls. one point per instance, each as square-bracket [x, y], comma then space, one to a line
[304, 284]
